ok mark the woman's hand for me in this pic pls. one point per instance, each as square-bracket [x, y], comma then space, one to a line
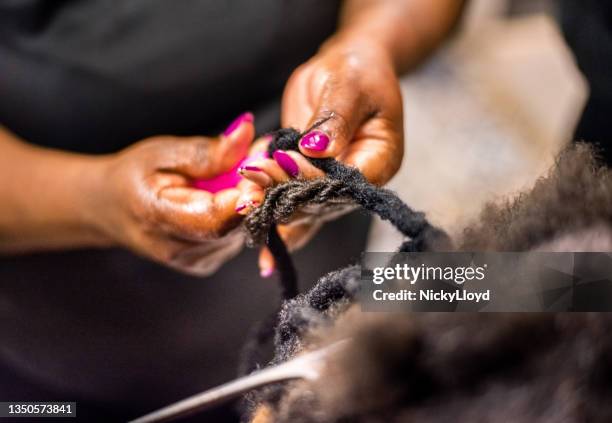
[353, 89]
[352, 82]
[143, 198]
[146, 200]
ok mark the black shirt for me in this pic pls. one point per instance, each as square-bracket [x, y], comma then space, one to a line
[95, 76]
[107, 327]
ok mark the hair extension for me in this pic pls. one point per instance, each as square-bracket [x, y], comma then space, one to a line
[575, 195]
[438, 366]
[341, 182]
[336, 289]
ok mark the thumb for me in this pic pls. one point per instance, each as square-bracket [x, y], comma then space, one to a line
[203, 158]
[234, 142]
[340, 111]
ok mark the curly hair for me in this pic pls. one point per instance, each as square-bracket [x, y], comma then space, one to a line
[439, 367]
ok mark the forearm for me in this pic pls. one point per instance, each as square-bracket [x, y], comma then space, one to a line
[407, 29]
[45, 198]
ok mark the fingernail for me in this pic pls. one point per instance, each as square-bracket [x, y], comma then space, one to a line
[250, 168]
[266, 273]
[315, 140]
[286, 162]
[246, 207]
[245, 117]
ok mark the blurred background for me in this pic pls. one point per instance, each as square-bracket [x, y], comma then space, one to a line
[485, 116]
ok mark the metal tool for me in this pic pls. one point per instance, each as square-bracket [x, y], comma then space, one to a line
[305, 366]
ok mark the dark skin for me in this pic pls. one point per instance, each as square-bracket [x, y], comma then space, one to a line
[141, 198]
[354, 80]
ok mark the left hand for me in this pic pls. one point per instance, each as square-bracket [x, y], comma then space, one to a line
[355, 85]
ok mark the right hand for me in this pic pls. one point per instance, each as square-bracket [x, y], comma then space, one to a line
[145, 200]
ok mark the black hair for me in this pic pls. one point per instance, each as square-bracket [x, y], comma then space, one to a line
[300, 311]
[460, 367]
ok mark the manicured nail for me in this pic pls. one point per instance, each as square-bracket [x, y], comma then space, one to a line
[286, 162]
[245, 117]
[249, 168]
[246, 207]
[315, 140]
[266, 273]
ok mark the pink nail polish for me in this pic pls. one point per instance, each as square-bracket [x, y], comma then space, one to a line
[245, 117]
[286, 162]
[266, 273]
[250, 168]
[315, 141]
[243, 206]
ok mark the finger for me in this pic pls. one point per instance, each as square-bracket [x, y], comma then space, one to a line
[297, 106]
[340, 111]
[160, 180]
[197, 215]
[266, 263]
[249, 170]
[251, 196]
[255, 175]
[228, 152]
[378, 150]
[306, 170]
[259, 148]
[273, 169]
[203, 158]
[285, 165]
[235, 142]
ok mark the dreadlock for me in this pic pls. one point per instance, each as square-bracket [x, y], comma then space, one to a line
[407, 366]
[334, 291]
[344, 183]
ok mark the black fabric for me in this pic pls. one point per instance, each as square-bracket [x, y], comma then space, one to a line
[587, 25]
[125, 336]
[97, 75]
[115, 332]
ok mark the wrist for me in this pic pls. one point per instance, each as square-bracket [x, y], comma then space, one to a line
[45, 198]
[87, 191]
[353, 44]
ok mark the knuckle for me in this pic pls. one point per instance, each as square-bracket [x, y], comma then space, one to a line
[341, 124]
